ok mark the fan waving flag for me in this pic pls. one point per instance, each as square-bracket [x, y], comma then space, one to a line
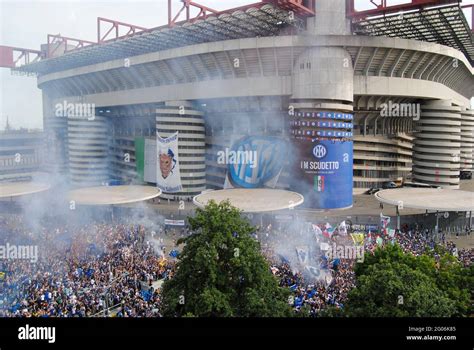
[358, 238]
[313, 270]
[391, 233]
[302, 253]
[379, 241]
[328, 230]
[384, 222]
[317, 230]
[342, 228]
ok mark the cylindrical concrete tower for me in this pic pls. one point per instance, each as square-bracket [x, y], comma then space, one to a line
[330, 18]
[438, 145]
[467, 139]
[56, 144]
[88, 151]
[321, 127]
[184, 118]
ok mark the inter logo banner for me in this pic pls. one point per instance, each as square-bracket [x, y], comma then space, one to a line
[168, 177]
[255, 162]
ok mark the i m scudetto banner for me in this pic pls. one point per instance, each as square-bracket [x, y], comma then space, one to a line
[324, 172]
[168, 177]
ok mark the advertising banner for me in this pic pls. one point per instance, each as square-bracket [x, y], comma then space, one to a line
[170, 222]
[254, 162]
[168, 177]
[323, 170]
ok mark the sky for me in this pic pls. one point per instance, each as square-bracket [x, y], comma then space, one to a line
[26, 23]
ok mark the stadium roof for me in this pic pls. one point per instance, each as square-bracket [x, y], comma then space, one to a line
[258, 20]
[17, 189]
[436, 199]
[443, 25]
[113, 195]
[259, 200]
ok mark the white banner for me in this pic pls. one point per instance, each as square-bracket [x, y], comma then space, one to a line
[174, 222]
[168, 177]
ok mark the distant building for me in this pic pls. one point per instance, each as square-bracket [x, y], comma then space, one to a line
[21, 154]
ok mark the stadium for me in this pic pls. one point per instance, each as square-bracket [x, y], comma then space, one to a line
[297, 72]
[185, 148]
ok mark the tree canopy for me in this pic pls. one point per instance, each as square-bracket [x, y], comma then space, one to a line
[221, 271]
[391, 283]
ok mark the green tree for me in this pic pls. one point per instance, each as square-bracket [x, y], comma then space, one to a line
[221, 271]
[391, 283]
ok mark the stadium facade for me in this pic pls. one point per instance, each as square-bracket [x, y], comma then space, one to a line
[361, 99]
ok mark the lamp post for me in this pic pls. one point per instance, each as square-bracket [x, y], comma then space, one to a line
[107, 288]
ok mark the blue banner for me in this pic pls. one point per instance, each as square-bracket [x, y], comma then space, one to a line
[325, 173]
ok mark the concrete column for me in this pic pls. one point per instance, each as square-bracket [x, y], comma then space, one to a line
[321, 127]
[88, 144]
[55, 133]
[330, 18]
[437, 150]
[467, 139]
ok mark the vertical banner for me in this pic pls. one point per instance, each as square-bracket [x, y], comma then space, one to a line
[140, 157]
[168, 177]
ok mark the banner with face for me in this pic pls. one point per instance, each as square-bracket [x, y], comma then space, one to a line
[168, 177]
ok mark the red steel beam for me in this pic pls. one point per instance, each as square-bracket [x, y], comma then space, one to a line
[8, 60]
[382, 7]
[115, 28]
[298, 7]
[302, 8]
[187, 5]
[59, 40]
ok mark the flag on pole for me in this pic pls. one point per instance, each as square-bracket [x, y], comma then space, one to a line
[384, 222]
[379, 240]
[302, 254]
[357, 238]
[317, 230]
[328, 230]
[313, 270]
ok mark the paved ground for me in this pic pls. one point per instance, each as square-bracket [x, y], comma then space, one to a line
[463, 242]
[366, 209]
[364, 205]
[260, 200]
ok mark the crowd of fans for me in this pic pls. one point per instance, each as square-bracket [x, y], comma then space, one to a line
[89, 271]
[116, 269]
[314, 296]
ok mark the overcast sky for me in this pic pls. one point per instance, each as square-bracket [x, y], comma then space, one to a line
[26, 23]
